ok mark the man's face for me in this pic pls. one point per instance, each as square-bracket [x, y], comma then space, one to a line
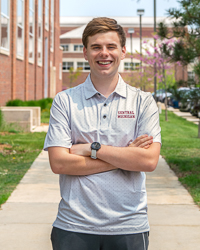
[104, 53]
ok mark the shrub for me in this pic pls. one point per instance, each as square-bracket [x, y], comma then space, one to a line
[44, 103]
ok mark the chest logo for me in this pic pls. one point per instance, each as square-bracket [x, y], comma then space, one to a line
[125, 114]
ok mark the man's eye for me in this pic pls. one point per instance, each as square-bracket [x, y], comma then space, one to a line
[111, 47]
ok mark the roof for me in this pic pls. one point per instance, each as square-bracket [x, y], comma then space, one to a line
[124, 21]
[75, 33]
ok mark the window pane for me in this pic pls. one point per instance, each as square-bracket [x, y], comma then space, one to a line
[39, 30]
[4, 7]
[31, 4]
[19, 41]
[31, 46]
[39, 52]
[31, 22]
[87, 66]
[4, 32]
[40, 8]
[19, 12]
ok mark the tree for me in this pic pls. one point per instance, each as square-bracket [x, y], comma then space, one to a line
[156, 55]
[186, 30]
[73, 75]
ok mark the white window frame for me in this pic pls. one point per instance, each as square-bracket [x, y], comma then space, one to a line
[46, 16]
[52, 25]
[4, 50]
[67, 70]
[129, 66]
[64, 51]
[80, 48]
[40, 39]
[21, 56]
[84, 65]
[32, 9]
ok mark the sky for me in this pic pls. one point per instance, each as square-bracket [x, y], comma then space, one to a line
[112, 8]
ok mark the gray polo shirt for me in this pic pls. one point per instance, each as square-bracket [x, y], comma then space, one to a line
[113, 202]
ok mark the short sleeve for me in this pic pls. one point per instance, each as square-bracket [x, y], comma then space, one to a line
[59, 132]
[148, 122]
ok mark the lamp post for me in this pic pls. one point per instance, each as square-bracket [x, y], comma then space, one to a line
[140, 12]
[131, 31]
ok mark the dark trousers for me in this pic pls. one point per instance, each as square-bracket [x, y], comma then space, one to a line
[66, 240]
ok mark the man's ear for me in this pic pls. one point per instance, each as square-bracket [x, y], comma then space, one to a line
[123, 52]
[85, 53]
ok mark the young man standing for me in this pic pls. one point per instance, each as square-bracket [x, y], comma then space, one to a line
[99, 142]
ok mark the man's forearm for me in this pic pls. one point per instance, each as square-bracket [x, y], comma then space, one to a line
[64, 163]
[131, 159]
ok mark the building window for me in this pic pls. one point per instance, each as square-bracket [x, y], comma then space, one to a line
[40, 33]
[67, 65]
[83, 66]
[31, 29]
[191, 76]
[52, 24]
[47, 14]
[5, 24]
[134, 66]
[65, 47]
[20, 28]
[78, 47]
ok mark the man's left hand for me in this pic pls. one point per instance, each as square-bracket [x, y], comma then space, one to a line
[81, 149]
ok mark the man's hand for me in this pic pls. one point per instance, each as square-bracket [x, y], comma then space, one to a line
[81, 149]
[143, 141]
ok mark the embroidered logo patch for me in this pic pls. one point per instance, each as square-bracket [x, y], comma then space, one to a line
[126, 114]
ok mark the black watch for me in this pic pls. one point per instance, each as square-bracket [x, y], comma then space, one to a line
[95, 146]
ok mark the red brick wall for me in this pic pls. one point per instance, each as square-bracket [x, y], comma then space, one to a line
[20, 79]
[31, 82]
[5, 78]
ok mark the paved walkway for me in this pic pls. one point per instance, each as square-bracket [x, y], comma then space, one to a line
[27, 216]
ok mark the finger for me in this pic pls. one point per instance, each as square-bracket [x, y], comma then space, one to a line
[146, 143]
[147, 139]
[138, 140]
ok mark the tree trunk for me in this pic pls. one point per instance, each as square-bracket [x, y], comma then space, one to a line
[199, 129]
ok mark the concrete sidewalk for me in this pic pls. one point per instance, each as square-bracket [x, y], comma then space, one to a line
[27, 216]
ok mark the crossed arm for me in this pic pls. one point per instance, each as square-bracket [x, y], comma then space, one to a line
[141, 155]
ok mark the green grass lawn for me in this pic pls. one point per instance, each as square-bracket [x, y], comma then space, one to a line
[181, 149]
[17, 153]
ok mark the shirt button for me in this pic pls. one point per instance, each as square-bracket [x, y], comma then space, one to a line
[105, 104]
[104, 117]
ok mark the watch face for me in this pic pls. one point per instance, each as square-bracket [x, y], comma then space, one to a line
[95, 145]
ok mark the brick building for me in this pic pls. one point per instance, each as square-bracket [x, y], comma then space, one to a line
[30, 52]
[70, 39]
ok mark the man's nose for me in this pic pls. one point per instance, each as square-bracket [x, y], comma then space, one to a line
[104, 52]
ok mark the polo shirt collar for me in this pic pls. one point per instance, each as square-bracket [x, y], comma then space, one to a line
[90, 90]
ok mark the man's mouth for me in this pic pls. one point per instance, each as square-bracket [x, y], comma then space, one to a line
[104, 63]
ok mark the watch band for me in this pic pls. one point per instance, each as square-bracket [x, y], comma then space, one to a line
[93, 154]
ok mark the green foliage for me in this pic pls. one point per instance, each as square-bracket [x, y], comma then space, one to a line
[187, 47]
[18, 151]
[181, 149]
[43, 103]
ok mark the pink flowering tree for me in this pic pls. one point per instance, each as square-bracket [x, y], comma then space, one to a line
[155, 55]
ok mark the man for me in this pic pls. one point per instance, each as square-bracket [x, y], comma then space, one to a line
[99, 142]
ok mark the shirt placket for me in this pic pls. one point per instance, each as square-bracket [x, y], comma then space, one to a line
[104, 114]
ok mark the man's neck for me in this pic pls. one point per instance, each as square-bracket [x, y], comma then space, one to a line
[105, 85]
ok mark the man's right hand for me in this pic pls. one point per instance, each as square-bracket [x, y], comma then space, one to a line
[143, 141]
